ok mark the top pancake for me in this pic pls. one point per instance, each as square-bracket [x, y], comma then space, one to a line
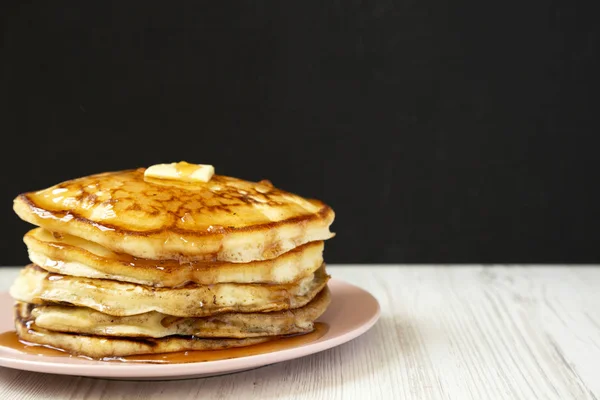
[224, 219]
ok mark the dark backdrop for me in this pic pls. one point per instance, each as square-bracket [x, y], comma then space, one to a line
[438, 133]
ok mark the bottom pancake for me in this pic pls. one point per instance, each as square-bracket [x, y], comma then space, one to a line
[86, 321]
[103, 347]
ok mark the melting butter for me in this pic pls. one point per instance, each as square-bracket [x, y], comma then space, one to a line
[181, 171]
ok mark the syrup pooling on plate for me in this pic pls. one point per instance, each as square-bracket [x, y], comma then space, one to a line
[11, 340]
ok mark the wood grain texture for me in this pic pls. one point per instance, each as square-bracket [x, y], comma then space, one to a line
[462, 332]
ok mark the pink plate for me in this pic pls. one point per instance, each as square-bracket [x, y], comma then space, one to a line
[351, 313]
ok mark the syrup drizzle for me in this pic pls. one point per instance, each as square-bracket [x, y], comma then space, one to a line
[12, 341]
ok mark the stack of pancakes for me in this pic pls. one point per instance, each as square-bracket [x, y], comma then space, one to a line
[126, 264]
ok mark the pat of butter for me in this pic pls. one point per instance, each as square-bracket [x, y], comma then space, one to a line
[182, 171]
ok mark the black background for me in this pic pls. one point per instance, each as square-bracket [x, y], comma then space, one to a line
[438, 131]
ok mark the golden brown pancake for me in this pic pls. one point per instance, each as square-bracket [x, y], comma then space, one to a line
[38, 286]
[228, 325]
[70, 255]
[224, 219]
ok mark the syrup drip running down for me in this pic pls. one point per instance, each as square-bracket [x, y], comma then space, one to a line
[11, 340]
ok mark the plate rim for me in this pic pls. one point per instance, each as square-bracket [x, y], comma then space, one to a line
[153, 371]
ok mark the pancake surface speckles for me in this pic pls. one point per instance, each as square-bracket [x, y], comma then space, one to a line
[225, 219]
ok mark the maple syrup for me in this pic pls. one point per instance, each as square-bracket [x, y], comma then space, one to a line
[11, 340]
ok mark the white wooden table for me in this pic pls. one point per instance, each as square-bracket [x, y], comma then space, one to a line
[457, 332]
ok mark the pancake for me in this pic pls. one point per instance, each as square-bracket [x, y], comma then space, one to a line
[70, 255]
[103, 347]
[224, 219]
[37, 286]
[228, 325]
